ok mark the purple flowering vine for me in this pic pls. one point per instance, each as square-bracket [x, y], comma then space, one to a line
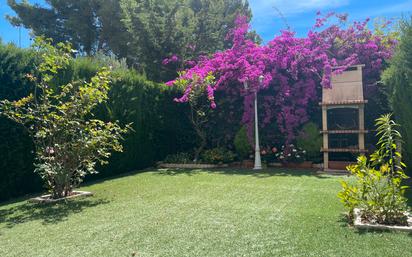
[293, 68]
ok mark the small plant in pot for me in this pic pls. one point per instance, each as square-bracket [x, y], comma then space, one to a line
[68, 141]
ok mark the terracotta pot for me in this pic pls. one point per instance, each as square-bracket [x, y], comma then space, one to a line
[302, 165]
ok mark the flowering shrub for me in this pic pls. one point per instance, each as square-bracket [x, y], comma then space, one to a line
[291, 154]
[292, 68]
[68, 141]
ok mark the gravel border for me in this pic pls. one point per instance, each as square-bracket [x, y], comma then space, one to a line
[47, 199]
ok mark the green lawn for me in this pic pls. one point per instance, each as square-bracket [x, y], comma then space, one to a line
[194, 213]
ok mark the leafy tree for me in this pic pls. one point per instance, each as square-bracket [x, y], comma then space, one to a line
[89, 25]
[143, 31]
[68, 141]
[199, 110]
[398, 79]
[179, 28]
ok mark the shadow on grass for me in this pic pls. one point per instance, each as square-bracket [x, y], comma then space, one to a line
[372, 231]
[264, 173]
[345, 221]
[47, 213]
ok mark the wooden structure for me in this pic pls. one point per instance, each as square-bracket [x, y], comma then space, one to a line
[346, 92]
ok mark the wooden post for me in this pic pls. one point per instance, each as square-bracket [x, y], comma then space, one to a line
[361, 137]
[325, 137]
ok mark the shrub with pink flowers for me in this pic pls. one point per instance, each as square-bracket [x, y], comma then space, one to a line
[294, 69]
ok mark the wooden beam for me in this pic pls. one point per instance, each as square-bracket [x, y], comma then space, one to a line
[325, 137]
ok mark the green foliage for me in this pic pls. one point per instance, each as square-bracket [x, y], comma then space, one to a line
[186, 28]
[68, 142]
[378, 191]
[217, 156]
[242, 146]
[16, 165]
[179, 158]
[90, 25]
[144, 32]
[161, 126]
[200, 107]
[310, 140]
[398, 79]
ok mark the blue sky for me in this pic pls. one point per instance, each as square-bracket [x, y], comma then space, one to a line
[298, 14]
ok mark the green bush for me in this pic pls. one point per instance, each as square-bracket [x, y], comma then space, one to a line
[182, 158]
[241, 142]
[217, 156]
[378, 190]
[310, 140]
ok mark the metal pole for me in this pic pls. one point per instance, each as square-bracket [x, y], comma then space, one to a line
[258, 161]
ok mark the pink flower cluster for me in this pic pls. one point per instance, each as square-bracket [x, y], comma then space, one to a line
[172, 59]
[294, 68]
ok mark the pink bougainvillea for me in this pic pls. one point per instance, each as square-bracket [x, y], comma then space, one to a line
[293, 68]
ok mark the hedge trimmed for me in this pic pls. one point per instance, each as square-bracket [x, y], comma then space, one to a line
[160, 126]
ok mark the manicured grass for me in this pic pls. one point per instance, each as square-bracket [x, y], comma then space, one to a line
[194, 213]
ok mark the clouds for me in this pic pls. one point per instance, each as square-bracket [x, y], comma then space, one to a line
[290, 8]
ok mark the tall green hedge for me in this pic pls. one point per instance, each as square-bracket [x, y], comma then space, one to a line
[398, 79]
[16, 158]
[160, 125]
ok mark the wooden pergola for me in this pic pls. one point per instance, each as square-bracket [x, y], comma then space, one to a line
[346, 92]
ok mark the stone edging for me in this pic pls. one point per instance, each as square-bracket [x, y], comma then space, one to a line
[359, 224]
[47, 199]
[192, 165]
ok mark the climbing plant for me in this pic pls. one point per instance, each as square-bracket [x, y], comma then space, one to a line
[293, 68]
